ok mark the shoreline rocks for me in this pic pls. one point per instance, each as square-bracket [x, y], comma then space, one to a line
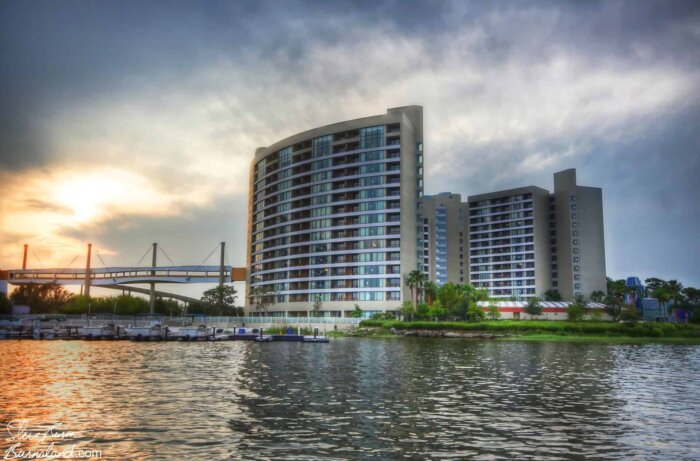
[445, 334]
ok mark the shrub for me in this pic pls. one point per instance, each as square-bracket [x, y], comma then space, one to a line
[575, 312]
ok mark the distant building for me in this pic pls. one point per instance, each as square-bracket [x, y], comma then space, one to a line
[445, 227]
[509, 242]
[578, 246]
[518, 243]
[515, 310]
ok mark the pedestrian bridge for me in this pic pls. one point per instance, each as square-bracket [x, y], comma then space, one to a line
[106, 276]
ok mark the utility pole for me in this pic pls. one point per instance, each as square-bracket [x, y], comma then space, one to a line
[221, 274]
[87, 272]
[24, 259]
[152, 297]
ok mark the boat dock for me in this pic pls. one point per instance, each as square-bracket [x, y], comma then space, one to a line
[151, 332]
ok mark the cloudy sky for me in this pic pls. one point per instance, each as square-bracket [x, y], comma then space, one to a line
[124, 123]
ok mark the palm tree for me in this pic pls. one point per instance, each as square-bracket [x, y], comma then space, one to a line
[662, 294]
[597, 296]
[430, 291]
[415, 280]
[675, 291]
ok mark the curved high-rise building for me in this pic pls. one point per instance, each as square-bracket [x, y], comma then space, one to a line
[334, 217]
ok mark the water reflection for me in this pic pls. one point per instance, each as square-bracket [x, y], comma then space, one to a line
[361, 399]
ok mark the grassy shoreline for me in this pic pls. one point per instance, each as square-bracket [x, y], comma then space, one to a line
[551, 330]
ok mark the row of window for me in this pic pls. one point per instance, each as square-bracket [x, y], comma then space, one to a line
[336, 167]
[349, 272]
[352, 296]
[322, 146]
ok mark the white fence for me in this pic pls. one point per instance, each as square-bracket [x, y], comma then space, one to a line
[140, 320]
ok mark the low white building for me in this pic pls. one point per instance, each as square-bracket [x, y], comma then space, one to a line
[551, 310]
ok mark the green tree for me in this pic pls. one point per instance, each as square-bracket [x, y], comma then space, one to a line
[437, 311]
[654, 283]
[629, 314]
[430, 291]
[450, 297]
[494, 312]
[663, 295]
[692, 295]
[475, 313]
[675, 290]
[552, 295]
[533, 307]
[221, 300]
[613, 305]
[263, 297]
[597, 296]
[616, 287]
[357, 313]
[415, 280]
[5, 304]
[422, 311]
[576, 310]
[169, 307]
[42, 298]
[408, 310]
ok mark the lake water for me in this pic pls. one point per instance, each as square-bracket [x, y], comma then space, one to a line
[402, 398]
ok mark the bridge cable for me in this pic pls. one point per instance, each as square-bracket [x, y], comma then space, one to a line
[38, 259]
[63, 270]
[166, 255]
[104, 264]
[205, 259]
[144, 255]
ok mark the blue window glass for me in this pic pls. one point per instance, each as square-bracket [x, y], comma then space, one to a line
[371, 137]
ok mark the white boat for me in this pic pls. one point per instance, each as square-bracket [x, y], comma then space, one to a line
[193, 333]
[99, 332]
[145, 332]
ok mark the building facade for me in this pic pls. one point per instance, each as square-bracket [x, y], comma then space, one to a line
[445, 228]
[578, 245]
[509, 242]
[335, 218]
[518, 243]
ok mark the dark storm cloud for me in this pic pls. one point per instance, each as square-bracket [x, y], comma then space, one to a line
[512, 92]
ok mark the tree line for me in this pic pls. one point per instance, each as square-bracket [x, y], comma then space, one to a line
[55, 299]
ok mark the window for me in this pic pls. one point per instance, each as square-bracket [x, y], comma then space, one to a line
[372, 156]
[372, 168]
[320, 199]
[321, 146]
[285, 157]
[370, 206]
[371, 137]
[261, 167]
[371, 193]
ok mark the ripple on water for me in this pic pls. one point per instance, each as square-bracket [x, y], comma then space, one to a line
[361, 399]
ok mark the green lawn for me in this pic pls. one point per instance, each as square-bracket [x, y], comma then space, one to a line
[551, 328]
